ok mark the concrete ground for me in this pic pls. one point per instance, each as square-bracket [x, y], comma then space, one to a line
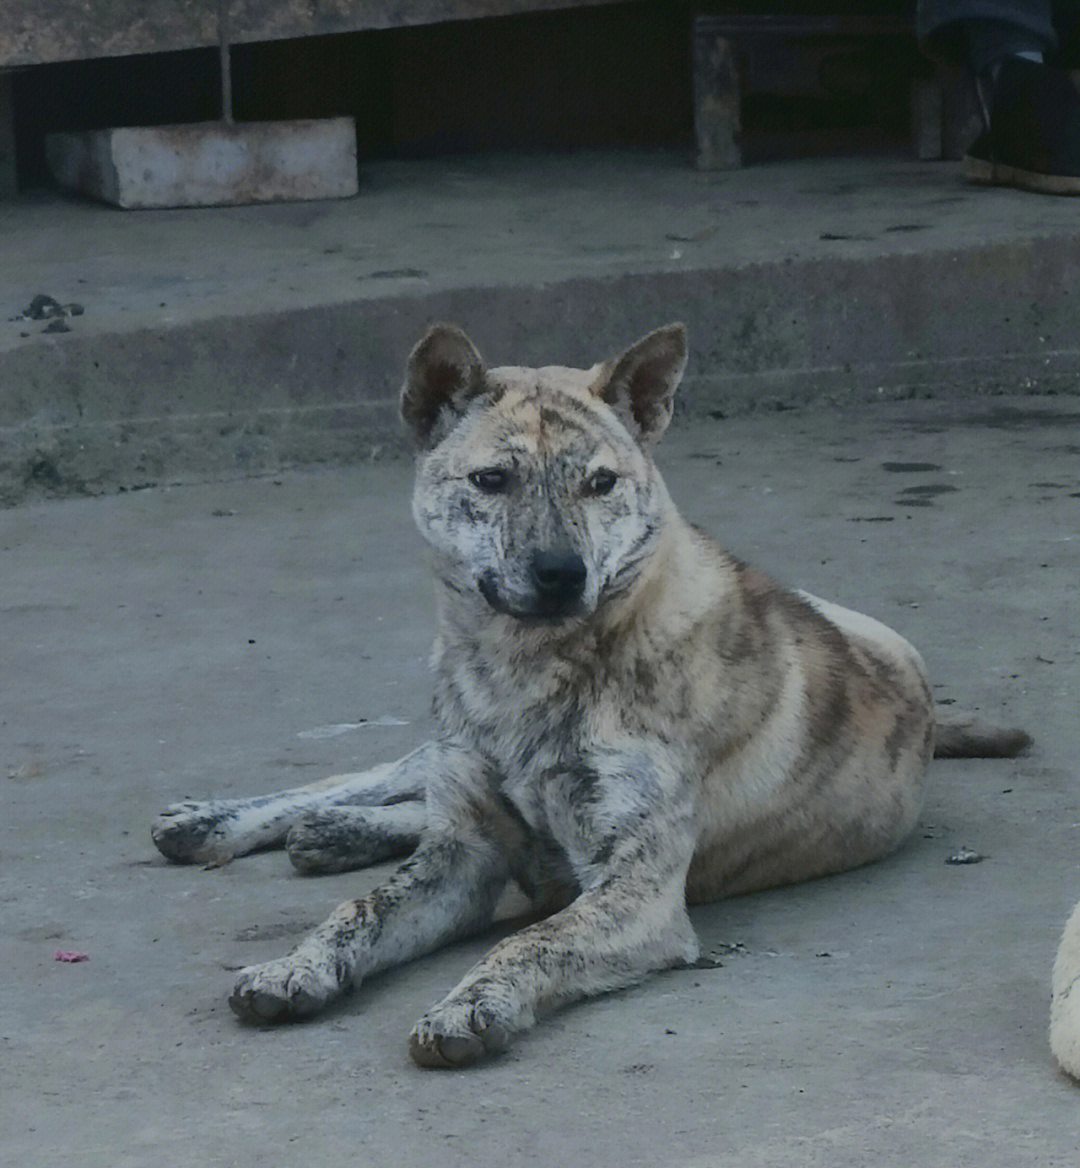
[232, 636]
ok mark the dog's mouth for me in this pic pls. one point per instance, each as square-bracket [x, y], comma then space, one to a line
[541, 607]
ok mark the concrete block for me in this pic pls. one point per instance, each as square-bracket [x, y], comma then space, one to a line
[208, 164]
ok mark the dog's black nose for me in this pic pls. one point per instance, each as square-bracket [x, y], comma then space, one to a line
[559, 577]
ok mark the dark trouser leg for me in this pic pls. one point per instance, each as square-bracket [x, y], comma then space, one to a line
[945, 31]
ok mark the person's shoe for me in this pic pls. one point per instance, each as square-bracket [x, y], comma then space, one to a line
[1033, 138]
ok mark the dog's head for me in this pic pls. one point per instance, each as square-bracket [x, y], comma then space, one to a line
[536, 487]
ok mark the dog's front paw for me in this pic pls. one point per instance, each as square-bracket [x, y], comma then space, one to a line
[458, 1032]
[192, 833]
[284, 990]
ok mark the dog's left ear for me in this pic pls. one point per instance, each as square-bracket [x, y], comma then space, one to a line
[443, 375]
[640, 385]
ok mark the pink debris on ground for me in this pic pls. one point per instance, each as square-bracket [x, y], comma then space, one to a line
[70, 956]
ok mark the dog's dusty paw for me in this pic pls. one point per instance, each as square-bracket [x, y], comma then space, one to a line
[284, 990]
[457, 1033]
[343, 838]
[192, 833]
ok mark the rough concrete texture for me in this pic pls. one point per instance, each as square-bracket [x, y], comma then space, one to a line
[233, 637]
[208, 165]
[229, 340]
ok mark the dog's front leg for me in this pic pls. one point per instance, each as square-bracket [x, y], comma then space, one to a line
[631, 919]
[446, 889]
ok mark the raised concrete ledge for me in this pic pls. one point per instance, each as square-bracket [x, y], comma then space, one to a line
[243, 339]
[255, 393]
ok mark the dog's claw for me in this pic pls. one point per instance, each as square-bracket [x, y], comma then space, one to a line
[428, 1053]
[456, 1035]
[251, 1006]
[278, 991]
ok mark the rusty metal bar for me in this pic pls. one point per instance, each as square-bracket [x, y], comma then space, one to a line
[225, 55]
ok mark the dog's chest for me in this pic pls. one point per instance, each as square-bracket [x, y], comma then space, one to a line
[557, 801]
[541, 748]
[566, 734]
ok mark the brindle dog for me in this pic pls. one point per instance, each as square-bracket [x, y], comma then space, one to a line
[629, 718]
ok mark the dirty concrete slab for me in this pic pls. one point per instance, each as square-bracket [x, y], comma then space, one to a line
[206, 640]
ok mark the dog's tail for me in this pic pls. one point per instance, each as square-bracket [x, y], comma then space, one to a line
[960, 734]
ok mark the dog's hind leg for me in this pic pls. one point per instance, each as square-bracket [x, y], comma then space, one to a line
[341, 838]
[216, 831]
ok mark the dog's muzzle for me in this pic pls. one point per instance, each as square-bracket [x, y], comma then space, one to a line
[556, 585]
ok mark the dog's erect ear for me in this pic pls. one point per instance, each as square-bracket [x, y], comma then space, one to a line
[444, 373]
[640, 385]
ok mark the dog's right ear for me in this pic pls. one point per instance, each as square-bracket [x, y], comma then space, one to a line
[443, 375]
[640, 385]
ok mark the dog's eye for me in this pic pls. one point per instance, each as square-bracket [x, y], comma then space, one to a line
[601, 482]
[492, 480]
